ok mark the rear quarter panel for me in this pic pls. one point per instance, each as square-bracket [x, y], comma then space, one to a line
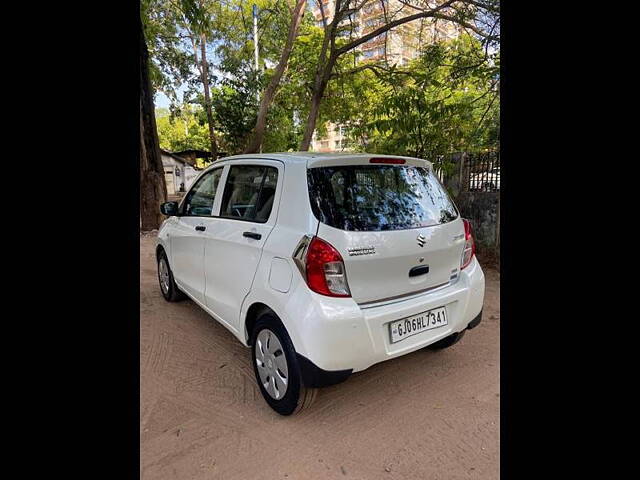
[294, 220]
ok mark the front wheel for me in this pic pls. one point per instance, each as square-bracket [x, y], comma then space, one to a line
[168, 286]
[276, 368]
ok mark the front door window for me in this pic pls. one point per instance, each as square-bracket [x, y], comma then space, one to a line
[199, 200]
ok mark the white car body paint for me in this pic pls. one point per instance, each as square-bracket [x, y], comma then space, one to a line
[226, 273]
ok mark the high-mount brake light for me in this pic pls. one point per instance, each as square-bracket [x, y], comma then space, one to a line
[391, 161]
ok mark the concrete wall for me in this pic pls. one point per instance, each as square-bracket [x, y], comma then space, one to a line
[481, 208]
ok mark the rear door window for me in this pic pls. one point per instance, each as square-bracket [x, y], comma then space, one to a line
[249, 192]
[378, 197]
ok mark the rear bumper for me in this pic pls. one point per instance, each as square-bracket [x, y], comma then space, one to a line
[475, 322]
[336, 334]
[315, 377]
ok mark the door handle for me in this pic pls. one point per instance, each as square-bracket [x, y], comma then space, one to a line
[201, 228]
[253, 235]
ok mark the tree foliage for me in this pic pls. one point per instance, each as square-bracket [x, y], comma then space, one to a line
[171, 63]
[182, 129]
[444, 100]
[341, 36]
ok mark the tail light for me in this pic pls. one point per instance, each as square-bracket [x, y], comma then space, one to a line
[469, 245]
[322, 266]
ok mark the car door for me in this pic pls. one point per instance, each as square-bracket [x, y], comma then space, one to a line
[187, 239]
[233, 245]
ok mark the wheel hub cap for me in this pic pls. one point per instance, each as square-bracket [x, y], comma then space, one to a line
[272, 364]
[163, 274]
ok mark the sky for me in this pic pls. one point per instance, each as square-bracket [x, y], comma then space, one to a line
[161, 100]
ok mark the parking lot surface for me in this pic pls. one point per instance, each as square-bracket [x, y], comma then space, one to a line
[427, 415]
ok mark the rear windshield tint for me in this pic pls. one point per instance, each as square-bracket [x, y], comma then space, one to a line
[378, 197]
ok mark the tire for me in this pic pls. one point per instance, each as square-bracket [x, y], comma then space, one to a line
[168, 286]
[272, 348]
[447, 341]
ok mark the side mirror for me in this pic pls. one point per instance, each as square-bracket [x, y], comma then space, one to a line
[169, 208]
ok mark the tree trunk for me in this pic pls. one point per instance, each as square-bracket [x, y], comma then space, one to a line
[269, 93]
[153, 190]
[319, 87]
[207, 95]
[311, 120]
[323, 73]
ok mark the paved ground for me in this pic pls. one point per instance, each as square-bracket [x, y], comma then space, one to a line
[427, 415]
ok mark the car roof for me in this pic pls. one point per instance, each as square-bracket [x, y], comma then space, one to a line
[312, 157]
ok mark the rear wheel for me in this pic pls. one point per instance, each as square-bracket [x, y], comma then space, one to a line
[447, 341]
[168, 286]
[276, 368]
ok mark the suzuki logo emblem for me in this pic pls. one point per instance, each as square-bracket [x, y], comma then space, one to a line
[421, 240]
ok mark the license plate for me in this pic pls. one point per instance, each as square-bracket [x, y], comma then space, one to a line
[401, 329]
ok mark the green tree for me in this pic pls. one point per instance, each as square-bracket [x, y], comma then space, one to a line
[297, 11]
[169, 62]
[236, 108]
[228, 88]
[445, 101]
[472, 15]
[199, 19]
[182, 129]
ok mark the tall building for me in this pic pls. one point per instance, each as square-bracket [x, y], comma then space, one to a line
[395, 47]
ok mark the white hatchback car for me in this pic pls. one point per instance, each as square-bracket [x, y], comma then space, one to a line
[323, 264]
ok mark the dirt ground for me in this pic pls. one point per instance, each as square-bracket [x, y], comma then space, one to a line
[427, 415]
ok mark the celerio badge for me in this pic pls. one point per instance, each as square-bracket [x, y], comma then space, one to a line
[421, 240]
[354, 252]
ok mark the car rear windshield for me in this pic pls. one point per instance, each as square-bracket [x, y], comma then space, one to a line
[378, 197]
